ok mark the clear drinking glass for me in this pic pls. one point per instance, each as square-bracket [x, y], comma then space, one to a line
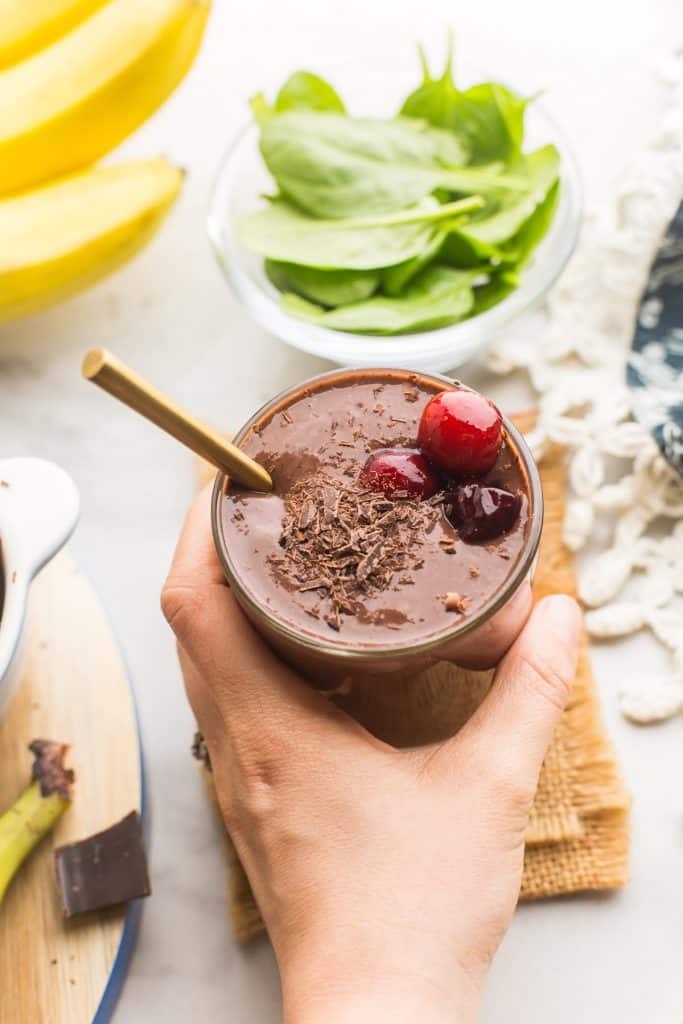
[476, 641]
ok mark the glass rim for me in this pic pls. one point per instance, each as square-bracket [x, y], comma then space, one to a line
[434, 641]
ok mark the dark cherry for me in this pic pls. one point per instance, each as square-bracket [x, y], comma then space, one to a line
[481, 513]
[461, 432]
[399, 469]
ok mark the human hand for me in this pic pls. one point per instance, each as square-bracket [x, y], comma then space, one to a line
[386, 878]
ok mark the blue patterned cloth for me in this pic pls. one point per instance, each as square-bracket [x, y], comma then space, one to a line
[655, 367]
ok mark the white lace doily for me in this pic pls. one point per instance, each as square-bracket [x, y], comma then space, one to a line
[616, 472]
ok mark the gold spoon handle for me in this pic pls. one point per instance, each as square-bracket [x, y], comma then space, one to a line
[112, 375]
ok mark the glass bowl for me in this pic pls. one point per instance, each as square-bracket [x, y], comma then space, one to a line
[242, 179]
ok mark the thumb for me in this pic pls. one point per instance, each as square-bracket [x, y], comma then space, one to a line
[530, 690]
[509, 734]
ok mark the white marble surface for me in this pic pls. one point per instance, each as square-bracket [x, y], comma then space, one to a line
[614, 959]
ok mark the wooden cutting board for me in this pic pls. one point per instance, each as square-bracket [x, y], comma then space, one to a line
[74, 689]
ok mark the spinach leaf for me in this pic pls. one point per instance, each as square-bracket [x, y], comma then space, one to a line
[494, 291]
[437, 297]
[516, 253]
[394, 279]
[491, 119]
[459, 250]
[504, 217]
[521, 246]
[435, 100]
[488, 118]
[334, 166]
[326, 287]
[509, 228]
[302, 91]
[305, 91]
[282, 232]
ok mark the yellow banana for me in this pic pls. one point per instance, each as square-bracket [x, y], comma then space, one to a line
[62, 237]
[36, 811]
[29, 25]
[68, 104]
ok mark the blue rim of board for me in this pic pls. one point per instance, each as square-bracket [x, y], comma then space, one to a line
[131, 925]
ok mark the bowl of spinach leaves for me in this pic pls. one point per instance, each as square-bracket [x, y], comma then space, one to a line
[408, 240]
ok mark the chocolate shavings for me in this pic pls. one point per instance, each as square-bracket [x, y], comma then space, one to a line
[348, 544]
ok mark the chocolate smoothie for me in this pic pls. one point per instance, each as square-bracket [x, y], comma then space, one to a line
[333, 558]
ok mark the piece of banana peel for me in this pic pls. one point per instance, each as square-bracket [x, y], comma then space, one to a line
[37, 810]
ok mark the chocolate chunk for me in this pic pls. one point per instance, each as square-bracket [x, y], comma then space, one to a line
[104, 870]
[307, 516]
[318, 584]
[456, 603]
[330, 503]
[368, 563]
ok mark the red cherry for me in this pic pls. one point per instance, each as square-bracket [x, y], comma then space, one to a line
[399, 469]
[481, 513]
[461, 431]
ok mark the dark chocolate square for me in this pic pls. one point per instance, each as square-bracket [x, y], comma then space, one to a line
[108, 868]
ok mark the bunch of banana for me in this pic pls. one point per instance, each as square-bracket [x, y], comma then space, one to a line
[77, 77]
[64, 236]
[30, 25]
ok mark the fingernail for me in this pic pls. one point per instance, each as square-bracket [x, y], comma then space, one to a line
[561, 614]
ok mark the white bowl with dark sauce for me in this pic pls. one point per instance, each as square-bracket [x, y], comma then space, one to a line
[39, 507]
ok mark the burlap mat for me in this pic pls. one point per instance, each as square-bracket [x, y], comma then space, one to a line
[578, 834]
